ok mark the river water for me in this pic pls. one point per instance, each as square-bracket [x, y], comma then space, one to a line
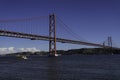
[67, 67]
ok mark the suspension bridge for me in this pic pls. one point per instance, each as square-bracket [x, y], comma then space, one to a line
[52, 38]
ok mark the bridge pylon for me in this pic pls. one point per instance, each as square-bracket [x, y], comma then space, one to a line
[110, 41]
[52, 35]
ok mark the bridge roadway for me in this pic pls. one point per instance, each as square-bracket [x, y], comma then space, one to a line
[45, 38]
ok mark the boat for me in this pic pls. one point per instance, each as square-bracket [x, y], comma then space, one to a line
[54, 55]
[57, 54]
[24, 57]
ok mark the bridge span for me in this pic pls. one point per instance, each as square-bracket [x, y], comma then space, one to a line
[46, 38]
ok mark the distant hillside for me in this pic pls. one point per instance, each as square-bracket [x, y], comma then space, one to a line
[91, 51]
[84, 51]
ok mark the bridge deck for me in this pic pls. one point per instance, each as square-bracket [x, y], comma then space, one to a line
[46, 38]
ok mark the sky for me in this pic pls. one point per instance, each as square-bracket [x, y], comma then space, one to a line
[93, 20]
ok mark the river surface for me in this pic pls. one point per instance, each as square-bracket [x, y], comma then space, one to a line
[67, 67]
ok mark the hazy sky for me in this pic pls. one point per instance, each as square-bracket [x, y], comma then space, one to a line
[93, 20]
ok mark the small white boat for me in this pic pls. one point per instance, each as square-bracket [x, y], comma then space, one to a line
[24, 57]
[54, 55]
[57, 55]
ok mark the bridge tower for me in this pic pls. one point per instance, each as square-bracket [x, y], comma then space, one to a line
[110, 41]
[52, 34]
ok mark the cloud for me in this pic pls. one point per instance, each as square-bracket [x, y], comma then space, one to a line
[14, 50]
[28, 49]
[3, 50]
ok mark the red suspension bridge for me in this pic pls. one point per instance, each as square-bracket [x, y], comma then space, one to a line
[52, 35]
